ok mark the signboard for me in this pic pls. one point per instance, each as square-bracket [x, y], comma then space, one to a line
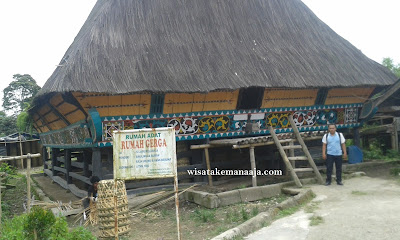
[144, 153]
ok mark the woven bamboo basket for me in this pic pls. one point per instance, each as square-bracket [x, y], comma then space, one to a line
[106, 208]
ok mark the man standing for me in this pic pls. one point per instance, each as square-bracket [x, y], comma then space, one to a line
[333, 146]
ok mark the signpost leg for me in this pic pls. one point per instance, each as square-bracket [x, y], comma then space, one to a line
[177, 204]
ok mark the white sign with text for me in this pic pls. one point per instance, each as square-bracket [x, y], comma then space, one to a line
[144, 153]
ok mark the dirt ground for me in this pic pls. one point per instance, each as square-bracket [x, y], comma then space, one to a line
[372, 198]
[365, 207]
[52, 190]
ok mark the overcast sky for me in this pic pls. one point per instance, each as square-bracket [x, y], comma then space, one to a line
[36, 34]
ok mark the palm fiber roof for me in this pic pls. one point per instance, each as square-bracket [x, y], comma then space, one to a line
[204, 45]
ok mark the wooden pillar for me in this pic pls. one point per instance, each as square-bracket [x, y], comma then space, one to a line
[87, 155]
[67, 165]
[96, 163]
[44, 157]
[13, 152]
[54, 155]
[110, 161]
[208, 166]
[356, 137]
[253, 167]
[395, 135]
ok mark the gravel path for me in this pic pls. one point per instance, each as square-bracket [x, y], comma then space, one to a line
[364, 208]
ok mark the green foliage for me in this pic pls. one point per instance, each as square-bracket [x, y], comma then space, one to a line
[232, 217]
[38, 223]
[375, 150]
[5, 211]
[388, 62]
[5, 167]
[10, 171]
[7, 124]
[244, 213]
[44, 225]
[349, 142]
[59, 229]
[25, 122]
[80, 233]
[13, 229]
[19, 92]
[204, 215]
[395, 171]
[254, 211]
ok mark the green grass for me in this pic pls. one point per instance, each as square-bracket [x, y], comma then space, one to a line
[232, 216]
[359, 193]
[254, 211]
[287, 212]
[395, 171]
[241, 186]
[315, 220]
[310, 208]
[204, 215]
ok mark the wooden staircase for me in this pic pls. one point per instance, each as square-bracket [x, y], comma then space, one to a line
[290, 160]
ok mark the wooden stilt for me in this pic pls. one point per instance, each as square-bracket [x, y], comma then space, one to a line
[253, 166]
[67, 164]
[96, 163]
[208, 166]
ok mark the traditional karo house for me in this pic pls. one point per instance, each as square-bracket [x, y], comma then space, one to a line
[207, 68]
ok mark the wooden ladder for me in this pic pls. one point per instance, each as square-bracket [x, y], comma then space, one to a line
[291, 147]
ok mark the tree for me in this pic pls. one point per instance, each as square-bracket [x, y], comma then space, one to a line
[19, 92]
[7, 124]
[388, 62]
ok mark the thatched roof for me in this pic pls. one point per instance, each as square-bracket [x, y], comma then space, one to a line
[204, 45]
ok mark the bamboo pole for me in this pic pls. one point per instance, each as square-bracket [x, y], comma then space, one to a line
[20, 150]
[20, 157]
[177, 203]
[28, 181]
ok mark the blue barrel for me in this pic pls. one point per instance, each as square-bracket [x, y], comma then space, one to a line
[355, 154]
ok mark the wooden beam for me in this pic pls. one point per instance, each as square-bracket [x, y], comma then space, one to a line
[54, 155]
[69, 98]
[55, 110]
[44, 122]
[284, 157]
